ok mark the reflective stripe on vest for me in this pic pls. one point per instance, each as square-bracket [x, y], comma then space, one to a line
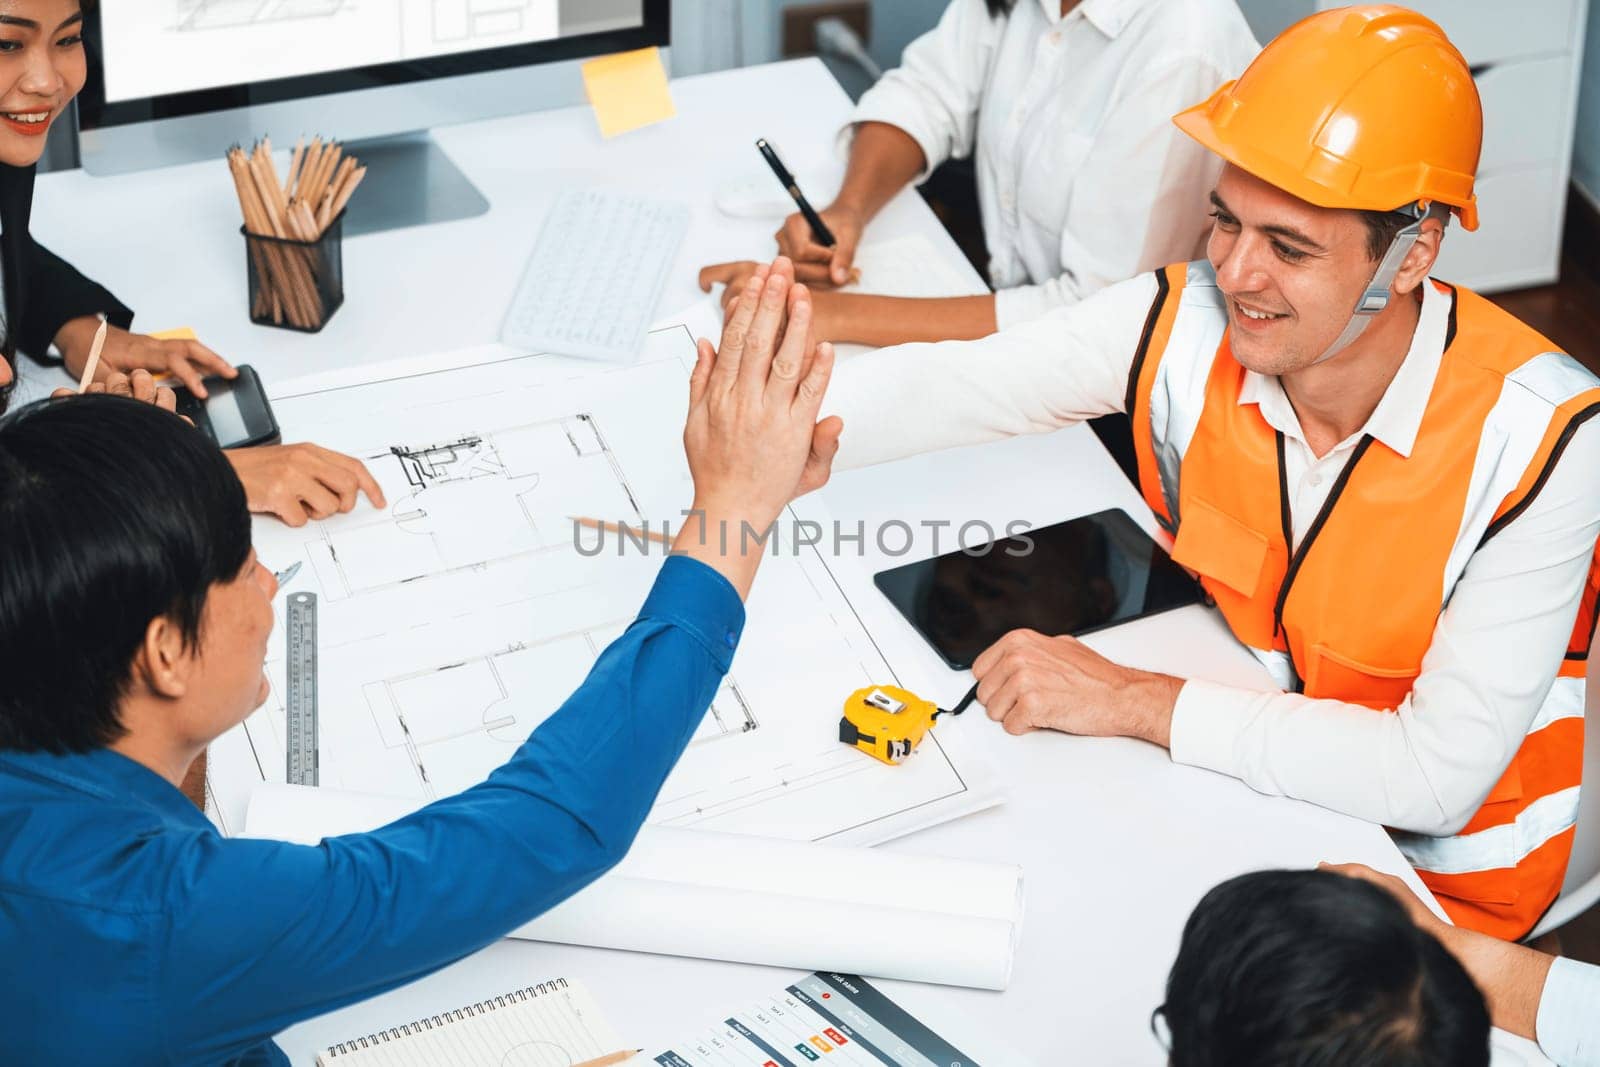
[1505, 845]
[1349, 611]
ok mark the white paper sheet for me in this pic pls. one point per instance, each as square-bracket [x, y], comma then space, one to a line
[908, 266]
[904, 266]
[745, 899]
[453, 621]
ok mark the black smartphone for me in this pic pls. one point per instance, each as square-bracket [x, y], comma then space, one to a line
[1071, 578]
[235, 414]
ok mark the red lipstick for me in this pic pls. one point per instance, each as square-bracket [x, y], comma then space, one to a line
[28, 129]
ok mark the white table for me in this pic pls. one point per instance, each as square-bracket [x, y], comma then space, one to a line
[1117, 842]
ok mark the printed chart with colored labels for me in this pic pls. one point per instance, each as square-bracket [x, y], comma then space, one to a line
[834, 1019]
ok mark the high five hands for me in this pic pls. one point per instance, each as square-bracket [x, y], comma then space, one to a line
[753, 438]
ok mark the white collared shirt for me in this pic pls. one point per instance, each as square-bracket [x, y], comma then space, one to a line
[1083, 179]
[1427, 767]
[1394, 422]
[1569, 1014]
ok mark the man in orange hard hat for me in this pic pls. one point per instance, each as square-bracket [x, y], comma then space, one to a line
[1386, 483]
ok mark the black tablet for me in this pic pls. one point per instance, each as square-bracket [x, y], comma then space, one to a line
[235, 412]
[1071, 578]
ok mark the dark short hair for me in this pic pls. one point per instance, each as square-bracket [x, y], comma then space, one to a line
[112, 513]
[1313, 969]
[1381, 229]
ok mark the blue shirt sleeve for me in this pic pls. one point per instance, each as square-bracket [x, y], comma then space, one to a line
[1569, 1014]
[262, 934]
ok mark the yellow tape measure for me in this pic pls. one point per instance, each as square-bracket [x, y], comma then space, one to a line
[888, 723]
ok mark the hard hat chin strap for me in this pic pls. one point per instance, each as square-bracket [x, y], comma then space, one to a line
[1375, 297]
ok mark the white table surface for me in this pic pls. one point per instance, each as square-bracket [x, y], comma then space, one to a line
[1116, 841]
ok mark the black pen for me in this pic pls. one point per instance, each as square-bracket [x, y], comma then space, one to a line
[818, 228]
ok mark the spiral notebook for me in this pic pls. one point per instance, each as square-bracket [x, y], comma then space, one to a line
[552, 1024]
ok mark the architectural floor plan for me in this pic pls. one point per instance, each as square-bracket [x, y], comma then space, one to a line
[221, 14]
[470, 499]
[432, 22]
[453, 621]
[158, 47]
[454, 720]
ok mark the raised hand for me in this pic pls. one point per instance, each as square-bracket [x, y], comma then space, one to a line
[752, 436]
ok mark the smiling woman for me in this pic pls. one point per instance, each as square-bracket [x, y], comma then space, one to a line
[42, 68]
[51, 308]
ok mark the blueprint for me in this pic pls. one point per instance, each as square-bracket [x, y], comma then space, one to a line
[455, 619]
[473, 498]
[172, 46]
[222, 14]
[435, 22]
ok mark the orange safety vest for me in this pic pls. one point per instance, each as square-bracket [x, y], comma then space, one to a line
[1351, 612]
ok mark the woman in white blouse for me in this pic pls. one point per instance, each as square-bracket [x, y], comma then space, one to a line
[1083, 179]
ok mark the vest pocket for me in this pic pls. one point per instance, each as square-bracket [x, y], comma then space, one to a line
[1336, 676]
[1482, 900]
[1220, 547]
[1508, 790]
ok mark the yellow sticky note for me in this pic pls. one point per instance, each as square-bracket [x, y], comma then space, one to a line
[182, 333]
[628, 90]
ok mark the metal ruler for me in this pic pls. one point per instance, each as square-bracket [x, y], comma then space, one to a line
[301, 706]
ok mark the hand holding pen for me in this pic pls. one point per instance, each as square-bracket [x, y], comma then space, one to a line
[822, 244]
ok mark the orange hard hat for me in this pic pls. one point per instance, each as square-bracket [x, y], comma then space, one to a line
[1368, 107]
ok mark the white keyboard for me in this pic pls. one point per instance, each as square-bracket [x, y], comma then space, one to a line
[591, 285]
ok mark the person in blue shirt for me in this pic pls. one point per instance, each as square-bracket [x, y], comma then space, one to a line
[133, 629]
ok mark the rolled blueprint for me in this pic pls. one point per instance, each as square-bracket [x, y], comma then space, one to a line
[745, 899]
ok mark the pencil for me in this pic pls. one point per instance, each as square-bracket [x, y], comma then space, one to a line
[616, 528]
[95, 346]
[615, 1057]
[295, 160]
[313, 156]
[352, 180]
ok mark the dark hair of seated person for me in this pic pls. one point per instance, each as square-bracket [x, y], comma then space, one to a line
[96, 540]
[1312, 969]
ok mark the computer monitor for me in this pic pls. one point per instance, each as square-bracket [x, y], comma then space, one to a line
[173, 81]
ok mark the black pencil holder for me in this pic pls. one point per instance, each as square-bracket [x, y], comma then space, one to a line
[297, 285]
